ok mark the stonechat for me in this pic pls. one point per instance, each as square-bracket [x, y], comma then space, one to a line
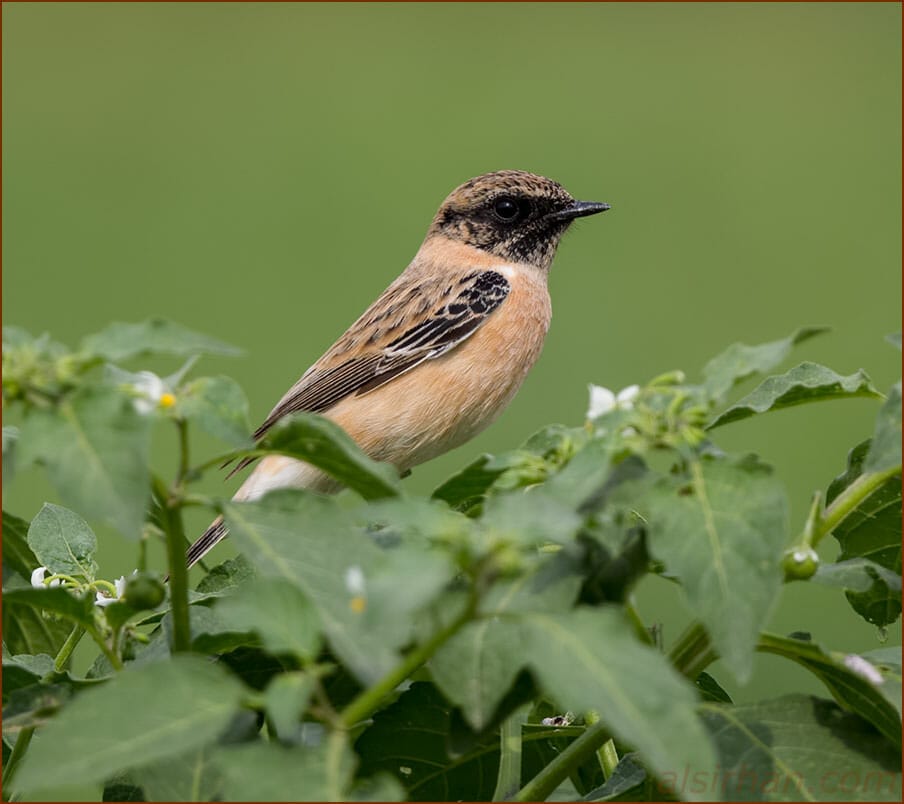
[438, 356]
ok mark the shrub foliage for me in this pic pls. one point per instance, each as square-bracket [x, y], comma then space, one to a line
[480, 643]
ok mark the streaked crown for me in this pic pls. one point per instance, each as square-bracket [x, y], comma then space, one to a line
[513, 214]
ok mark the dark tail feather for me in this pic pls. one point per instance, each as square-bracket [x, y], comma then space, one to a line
[212, 536]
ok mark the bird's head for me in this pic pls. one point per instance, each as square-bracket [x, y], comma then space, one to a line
[512, 214]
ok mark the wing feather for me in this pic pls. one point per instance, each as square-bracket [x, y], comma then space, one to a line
[458, 313]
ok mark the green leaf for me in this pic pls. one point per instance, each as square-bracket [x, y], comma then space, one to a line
[23, 670]
[270, 772]
[279, 612]
[33, 706]
[590, 659]
[856, 683]
[477, 666]
[408, 740]
[218, 406]
[17, 555]
[740, 361]
[96, 449]
[210, 633]
[161, 710]
[324, 444]
[857, 575]
[888, 662]
[529, 518]
[874, 592]
[312, 542]
[26, 630]
[194, 776]
[808, 382]
[62, 541]
[710, 689]
[871, 531]
[468, 486]
[381, 787]
[624, 784]
[286, 699]
[10, 440]
[225, 578]
[119, 341]
[722, 531]
[885, 451]
[795, 748]
[59, 601]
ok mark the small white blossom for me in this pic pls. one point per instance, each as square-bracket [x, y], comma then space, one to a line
[100, 599]
[602, 400]
[151, 390]
[37, 579]
[354, 580]
[863, 668]
[625, 398]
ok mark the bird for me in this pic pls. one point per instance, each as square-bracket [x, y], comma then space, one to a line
[443, 350]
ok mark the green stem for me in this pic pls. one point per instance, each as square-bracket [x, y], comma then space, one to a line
[692, 652]
[608, 758]
[850, 499]
[19, 748]
[62, 658]
[542, 785]
[178, 571]
[814, 520]
[113, 658]
[509, 777]
[369, 701]
[643, 633]
[336, 768]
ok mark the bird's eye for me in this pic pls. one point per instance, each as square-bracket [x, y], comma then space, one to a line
[506, 209]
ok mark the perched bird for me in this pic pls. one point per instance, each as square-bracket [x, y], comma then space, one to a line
[438, 356]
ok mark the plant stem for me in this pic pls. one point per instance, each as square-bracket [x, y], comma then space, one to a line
[62, 658]
[114, 660]
[19, 748]
[692, 651]
[849, 499]
[178, 571]
[643, 633]
[368, 701]
[814, 520]
[548, 779]
[608, 758]
[509, 777]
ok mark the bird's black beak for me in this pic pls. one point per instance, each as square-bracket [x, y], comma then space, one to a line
[579, 209]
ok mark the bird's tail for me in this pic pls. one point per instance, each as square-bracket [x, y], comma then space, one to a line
[211, 537]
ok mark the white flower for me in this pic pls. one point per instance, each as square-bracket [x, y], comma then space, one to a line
[152, 392]
[354, 580]
[37, 578]
[602, 400]
[863, 668]
[100, 599]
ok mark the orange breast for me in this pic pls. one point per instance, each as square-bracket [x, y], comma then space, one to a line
[442, 403]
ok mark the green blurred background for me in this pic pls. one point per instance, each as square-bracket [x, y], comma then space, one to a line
[260, 172]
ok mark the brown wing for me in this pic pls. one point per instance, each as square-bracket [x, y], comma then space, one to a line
[460, 310]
